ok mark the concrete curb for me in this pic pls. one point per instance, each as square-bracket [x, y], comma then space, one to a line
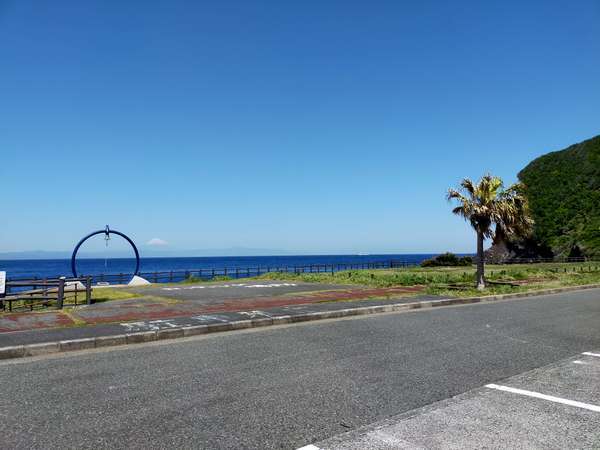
[45, 348]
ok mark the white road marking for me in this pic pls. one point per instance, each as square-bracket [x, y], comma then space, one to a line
[152, 325]
[550, 398]
[309, 447]
[134, 326]
[597, 355]
[271, 285]
[205, 318]
[253, 314]
[579, 362]
[160, 322]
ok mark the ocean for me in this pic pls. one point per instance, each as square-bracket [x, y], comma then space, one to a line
[50, 268]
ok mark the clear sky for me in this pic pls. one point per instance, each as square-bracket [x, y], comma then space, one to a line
[306, 126]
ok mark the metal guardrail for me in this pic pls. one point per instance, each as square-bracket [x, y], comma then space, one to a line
[574, 259]
[35, 293]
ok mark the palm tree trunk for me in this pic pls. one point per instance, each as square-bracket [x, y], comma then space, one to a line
[480, 262]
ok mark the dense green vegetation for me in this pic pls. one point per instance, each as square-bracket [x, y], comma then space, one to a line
[447, 259]
[563, 189]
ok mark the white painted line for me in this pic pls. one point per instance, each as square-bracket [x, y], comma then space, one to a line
[579, 362]
[550, 398]
[309, 447]
[597, 355]
[219, 286]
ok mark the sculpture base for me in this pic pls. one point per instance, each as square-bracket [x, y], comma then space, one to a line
[138, 281]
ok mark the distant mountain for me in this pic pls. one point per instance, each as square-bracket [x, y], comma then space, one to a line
[232, 251]
[563, 189]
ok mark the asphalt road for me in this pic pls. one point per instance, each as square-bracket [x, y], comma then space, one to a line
[289, 386]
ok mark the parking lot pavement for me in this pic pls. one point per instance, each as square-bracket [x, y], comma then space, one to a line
[207, 293]
[216, 293]
[556, 406]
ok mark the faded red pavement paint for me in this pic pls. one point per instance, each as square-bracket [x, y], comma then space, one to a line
[159, 311]
[143, 310]
[31, 321]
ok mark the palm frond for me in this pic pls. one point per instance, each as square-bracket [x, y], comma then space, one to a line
[488, 206]
[468, 186]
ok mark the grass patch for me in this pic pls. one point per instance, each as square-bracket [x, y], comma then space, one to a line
[376, 278]
[439, 280]
[100, 295]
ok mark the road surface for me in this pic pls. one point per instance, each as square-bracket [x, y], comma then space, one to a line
[289, 386]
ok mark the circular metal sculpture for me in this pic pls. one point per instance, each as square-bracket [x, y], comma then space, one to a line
[107, 232]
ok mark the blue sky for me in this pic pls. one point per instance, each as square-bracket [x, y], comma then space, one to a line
[311, 127]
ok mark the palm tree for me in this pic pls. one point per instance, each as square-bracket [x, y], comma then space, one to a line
[490, 208]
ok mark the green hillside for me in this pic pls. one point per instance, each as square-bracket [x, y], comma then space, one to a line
[563, 188]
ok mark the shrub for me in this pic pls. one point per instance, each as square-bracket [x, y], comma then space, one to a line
[448, 259]
[193, 279]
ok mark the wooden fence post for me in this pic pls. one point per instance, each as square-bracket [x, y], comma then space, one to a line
[88, 290]
[61, 292]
